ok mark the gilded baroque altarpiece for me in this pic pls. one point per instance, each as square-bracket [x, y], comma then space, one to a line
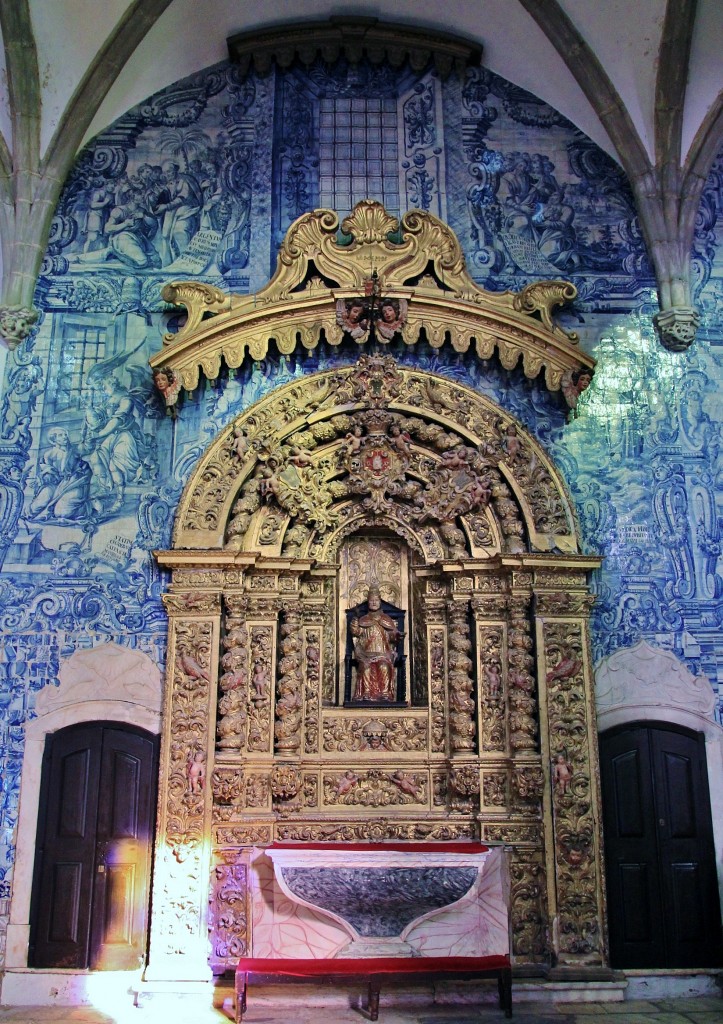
[384, 476]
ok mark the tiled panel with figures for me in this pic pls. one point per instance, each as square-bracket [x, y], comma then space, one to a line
[201, 182]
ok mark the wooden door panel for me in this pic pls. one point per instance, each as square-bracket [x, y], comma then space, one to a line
[76, 769]
[126, 773]
[687, 858]
[636, 923]
[125, 821]
[663, 903]
[95, 833]
[66, 850]
[678, 795]
[65, 903]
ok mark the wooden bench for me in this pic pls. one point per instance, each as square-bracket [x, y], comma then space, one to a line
[373, 971]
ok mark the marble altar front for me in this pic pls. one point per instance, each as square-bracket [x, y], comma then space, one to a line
[325, 900]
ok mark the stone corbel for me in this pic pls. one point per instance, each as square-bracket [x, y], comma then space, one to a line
[677, 327]
[16, 324]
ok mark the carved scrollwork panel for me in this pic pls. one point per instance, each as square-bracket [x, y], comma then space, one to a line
[575, 816]
[402, 733]
[378, 831]
[228, 911]
[375, 788]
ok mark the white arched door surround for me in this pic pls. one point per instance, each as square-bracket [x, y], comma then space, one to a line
[108, 683]
[646, 684]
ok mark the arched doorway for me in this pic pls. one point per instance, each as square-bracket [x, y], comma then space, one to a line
[95, 837]
[663, 904]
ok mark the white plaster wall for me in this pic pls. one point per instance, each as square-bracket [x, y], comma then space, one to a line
[61, 67]
[626, 39]
[108, 683]
[191, 35]
[706, 78]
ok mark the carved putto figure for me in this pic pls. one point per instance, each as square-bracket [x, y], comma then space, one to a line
[562, 774]
[196, 771]
[375, 639]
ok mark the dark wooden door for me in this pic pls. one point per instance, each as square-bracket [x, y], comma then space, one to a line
[663, 904]
[95, 833]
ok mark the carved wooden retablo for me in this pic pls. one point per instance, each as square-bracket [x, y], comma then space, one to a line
[376, 476]
[378, 608]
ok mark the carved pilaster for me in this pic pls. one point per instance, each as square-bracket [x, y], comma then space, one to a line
[232, 724]
[289, 687]
[528, 906]
[577, 847]
[488, 611]
[436, 625]
[314, 616]
[181, 870]
[462, 718]
[523, 702]
[228, 910]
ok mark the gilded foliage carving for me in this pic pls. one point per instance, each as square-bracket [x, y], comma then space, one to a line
[492, 689]
[234, 681]
[395, 734]
[437, 686]
[527, 787]
[228, 785]
[289, 687]
[244, 835]
[522, 695]
[441, 474]
[375, 788]
[228, 916]
[528, 904]
[463, 728]
[378, 831]
[258, 790]
[260, 689]
[188, 727]
[464, 788]
[575, 840]
[312, 686]
[494, 789]
[285, 781]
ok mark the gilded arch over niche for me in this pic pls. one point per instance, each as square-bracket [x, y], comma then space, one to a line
[458, 478]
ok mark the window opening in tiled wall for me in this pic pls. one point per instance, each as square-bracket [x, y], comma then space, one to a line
[358, 152]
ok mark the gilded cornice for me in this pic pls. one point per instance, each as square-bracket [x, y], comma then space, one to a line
[426, 268]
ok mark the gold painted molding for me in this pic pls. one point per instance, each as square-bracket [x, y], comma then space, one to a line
[426, 269]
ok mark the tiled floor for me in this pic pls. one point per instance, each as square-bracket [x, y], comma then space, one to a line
[701, 1010]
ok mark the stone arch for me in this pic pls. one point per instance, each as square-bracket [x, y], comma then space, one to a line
[108, 683]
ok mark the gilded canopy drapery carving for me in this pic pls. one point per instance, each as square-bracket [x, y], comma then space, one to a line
[424, 273]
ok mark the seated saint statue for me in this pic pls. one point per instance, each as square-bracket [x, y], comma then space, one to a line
[375, 637]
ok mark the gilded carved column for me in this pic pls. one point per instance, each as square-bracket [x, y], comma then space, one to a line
[289, 687]
[261, 624]
[489, 616]
[575, 878]
[179, 940]
[523, 705]
[232, 726]
[462, 712]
